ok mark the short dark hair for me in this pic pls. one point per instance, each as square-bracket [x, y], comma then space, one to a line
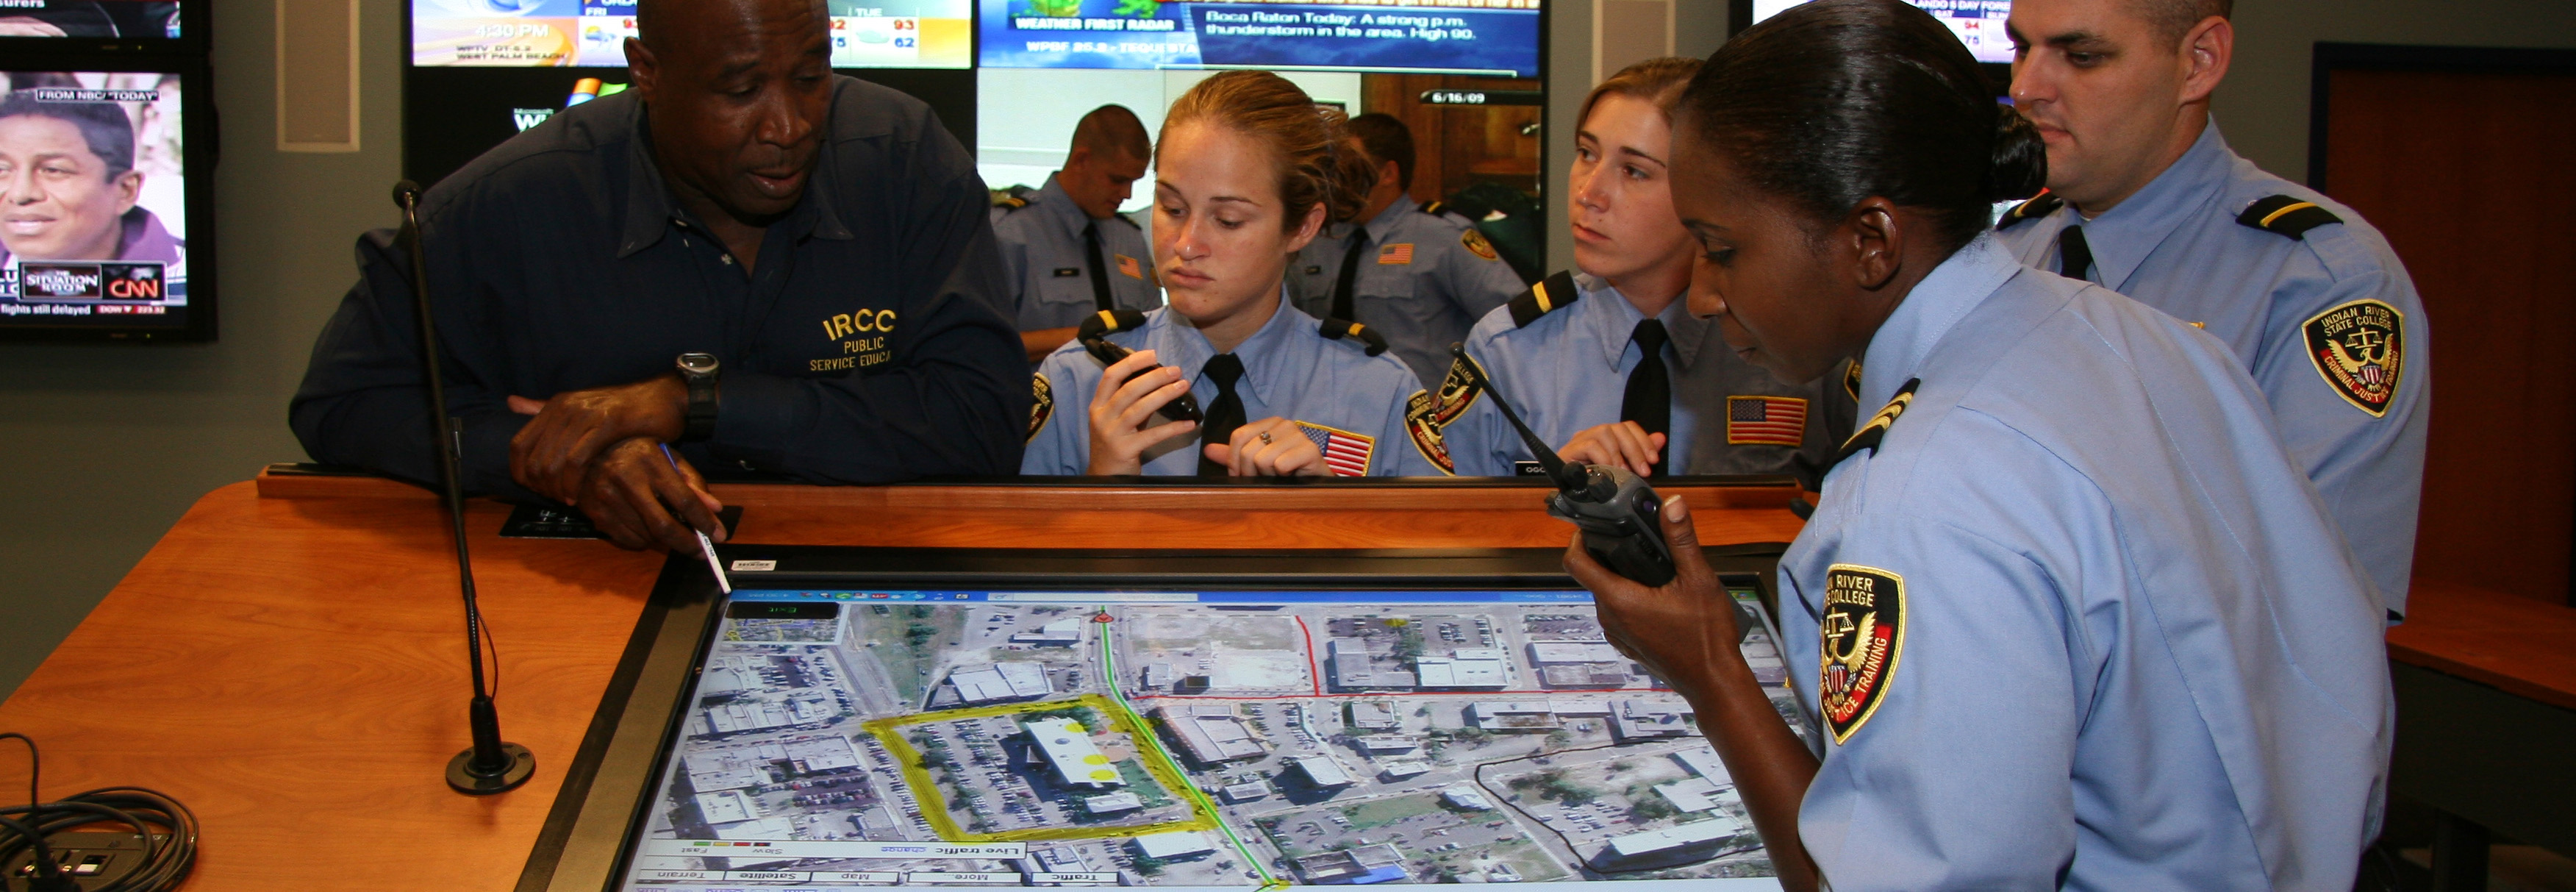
[1113, 128]
[2174, 18]
[649, 15]
[1385, 138]
[1835, 101]
[103, 125]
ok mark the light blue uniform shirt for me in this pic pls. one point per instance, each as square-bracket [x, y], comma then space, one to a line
[2110, 639]
[1425, 280]
[2177, 246]
[1567, 371]
[1049, 267]
[1337, 394]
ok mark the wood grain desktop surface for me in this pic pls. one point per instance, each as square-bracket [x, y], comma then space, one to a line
[288, 660]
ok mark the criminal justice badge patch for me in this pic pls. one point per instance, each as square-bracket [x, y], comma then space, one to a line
[1863, 625]
[1477, 245]
[1043, 408]
[1427, 415]
[2360, 349]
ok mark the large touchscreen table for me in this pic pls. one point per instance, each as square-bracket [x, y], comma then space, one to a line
[1194, 739]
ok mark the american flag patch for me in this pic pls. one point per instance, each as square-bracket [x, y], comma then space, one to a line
[1395, 255]
[1768, 420]
[1345, 454]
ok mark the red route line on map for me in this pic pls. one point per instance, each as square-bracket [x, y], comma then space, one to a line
[1314, 670]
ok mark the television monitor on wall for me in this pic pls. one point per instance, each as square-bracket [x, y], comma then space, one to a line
[592, 33]
[81, 22]
[105, 202]
[1475, 37]
[1979, 23]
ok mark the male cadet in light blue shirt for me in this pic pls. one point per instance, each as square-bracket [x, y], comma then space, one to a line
[1564, 354]
[2146, 199]
[1350, 403]
[1419, 277]
[1068, 251]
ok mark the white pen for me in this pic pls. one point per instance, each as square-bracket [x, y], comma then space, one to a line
[706, 546]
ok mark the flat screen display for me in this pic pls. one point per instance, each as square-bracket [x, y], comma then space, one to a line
[592, 33]
[111, 19]
[93, 200]
[1483, 37]
[1979, 23]
[1188, 739]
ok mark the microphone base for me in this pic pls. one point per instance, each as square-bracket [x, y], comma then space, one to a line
[462, 777]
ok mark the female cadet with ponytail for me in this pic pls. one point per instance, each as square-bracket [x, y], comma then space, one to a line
[2070, 615]
[1247, 169]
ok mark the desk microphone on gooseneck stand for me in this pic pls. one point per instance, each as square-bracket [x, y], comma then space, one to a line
[1617, 512]
[490, 766]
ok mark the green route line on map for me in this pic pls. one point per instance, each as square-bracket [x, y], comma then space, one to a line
[1153, 743]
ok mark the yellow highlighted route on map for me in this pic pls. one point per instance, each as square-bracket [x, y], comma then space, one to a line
[935, 807]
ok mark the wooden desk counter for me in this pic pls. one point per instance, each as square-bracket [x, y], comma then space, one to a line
[288, 660]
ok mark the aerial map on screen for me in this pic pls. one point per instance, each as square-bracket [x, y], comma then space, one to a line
[1188, 739]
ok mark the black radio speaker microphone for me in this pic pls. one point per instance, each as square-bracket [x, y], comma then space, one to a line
[1621, 517]
[490, 765]
[1094, 335]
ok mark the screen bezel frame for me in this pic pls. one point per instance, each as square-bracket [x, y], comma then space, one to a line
[586, 841]
[197, 131]
[193, 18]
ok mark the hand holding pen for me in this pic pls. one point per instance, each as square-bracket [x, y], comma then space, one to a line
[706, 546]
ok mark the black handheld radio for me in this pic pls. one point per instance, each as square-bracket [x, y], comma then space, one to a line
[1094, 335]
[1619, 514]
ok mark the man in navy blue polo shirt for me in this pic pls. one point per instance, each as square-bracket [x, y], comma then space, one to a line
[745, 256]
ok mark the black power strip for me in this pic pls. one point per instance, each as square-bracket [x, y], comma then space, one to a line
[92, 859]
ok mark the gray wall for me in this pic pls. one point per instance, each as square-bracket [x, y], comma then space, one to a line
[116, 442]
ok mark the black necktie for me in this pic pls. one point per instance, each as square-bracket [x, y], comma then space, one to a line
[1099, 271]
[1350, 275]
[1649, 401]
[1223, 415]
[2074, 255]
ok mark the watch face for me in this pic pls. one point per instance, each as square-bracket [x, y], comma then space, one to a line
[698, 363]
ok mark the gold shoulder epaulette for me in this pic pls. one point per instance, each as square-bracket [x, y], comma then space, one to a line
[1550, 293]
[2287, 215]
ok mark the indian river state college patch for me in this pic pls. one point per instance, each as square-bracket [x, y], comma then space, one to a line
[1864, 633]
[2360, 349]
[1043, 408]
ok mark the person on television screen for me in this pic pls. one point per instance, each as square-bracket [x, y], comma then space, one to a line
[1609, 365]
[746, 256]
[2069, 614]
[1418, 276]
[1248, 169]
[1069, 253]
[2146, 199]
[68, 186]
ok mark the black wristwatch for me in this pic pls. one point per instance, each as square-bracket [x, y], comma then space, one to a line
[698, 370]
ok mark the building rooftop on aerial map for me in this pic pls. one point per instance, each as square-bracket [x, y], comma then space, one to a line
[1112, 803]
[993, 682]
[1212, 732]
[1468, 667]
[1635, 719]
[1061, 633]
[1175, 844]
[1700, 833]
[1381, 863]
[1322, 771]
[1068, 749]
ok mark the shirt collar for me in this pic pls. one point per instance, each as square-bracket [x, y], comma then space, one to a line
[2122, 237]
[650, 210]
[1613, 324]
[1905, 341]
[1378, 226]
[1266, 365]
[1052, 199]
